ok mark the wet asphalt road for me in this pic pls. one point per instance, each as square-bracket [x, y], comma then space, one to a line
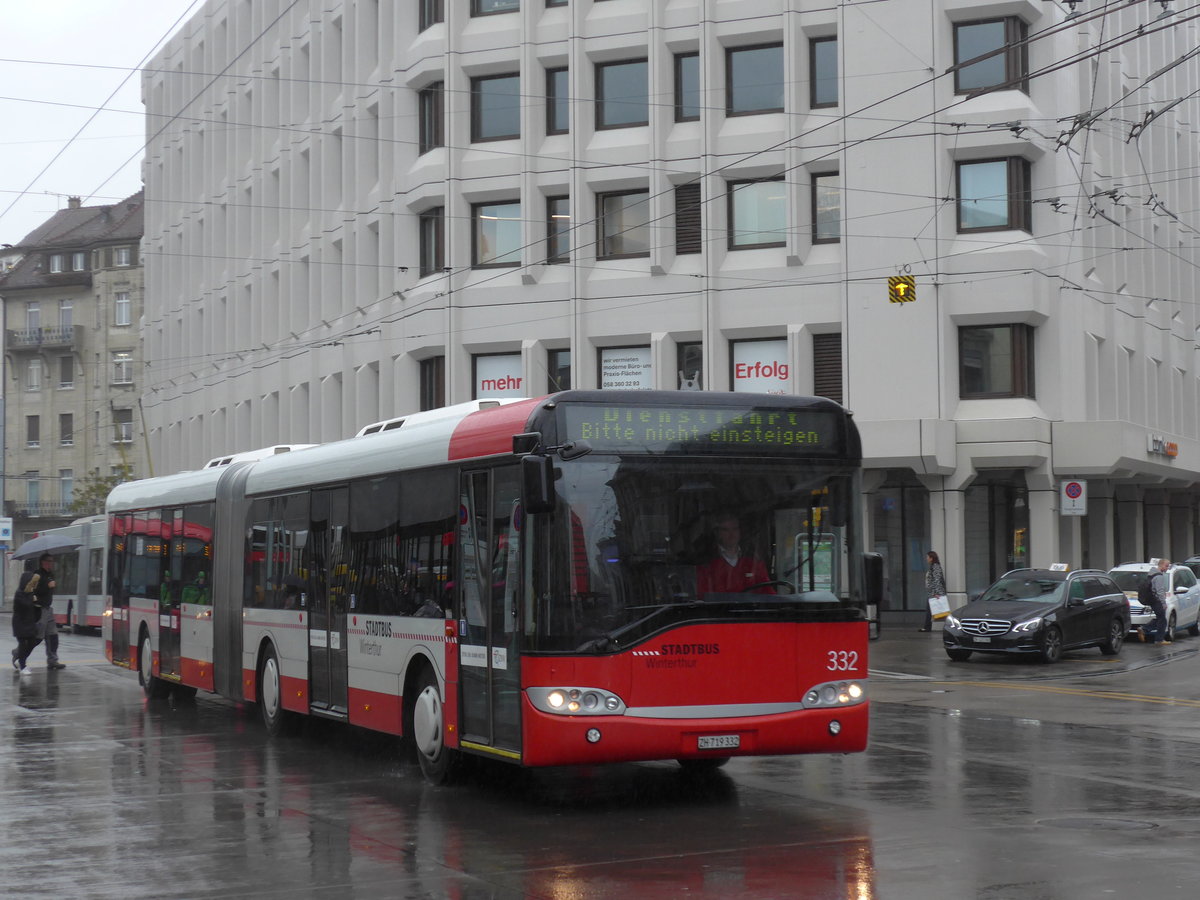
[989, 779]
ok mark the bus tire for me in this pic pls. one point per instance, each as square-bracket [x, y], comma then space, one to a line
[427, 727]
[154, 688]
[276, 719]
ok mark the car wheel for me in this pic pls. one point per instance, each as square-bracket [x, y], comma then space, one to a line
[958, 655]
[427, 727]
[1116, 638]
[1171, 627]
[1052, 645]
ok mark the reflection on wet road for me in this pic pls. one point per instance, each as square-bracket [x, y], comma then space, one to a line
[973, 787]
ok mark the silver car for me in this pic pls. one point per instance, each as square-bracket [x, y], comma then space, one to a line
[1183, 596]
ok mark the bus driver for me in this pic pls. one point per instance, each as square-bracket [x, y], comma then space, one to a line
[731, 570]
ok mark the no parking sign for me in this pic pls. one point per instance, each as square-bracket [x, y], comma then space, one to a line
[1073, 498]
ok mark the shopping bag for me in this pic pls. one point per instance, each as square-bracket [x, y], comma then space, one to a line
[939, 607]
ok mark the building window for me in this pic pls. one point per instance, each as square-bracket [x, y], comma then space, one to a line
[123, 426]
[33, 431]
[495, 108]
[628, 368]
[33, 375]
[995, 361]
[433, 382]
[432, 239]
[994, 195]
[429, 117]
[33, 492]
[757, 214]
[66, 486]
[66, 429]
[122, 309]
[827, 208]
[827, 366]
[558, 370]
[689, 358]
[624, 224]
[1007, 68]
[429, 13]
[66, 372]
[754, 80]
[122, 367]
[558, 229]
[622, 97]
[487, 7]
[822, 72]
[66, 313]
[689, 219]
[496, 234]
[556, 3]
[558, 108]
[56, 264]
[78, 262]
[687, 87]
[33, 316]
[122, 256]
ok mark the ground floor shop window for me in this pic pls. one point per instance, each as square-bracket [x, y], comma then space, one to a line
[996, 527]
[900, 525]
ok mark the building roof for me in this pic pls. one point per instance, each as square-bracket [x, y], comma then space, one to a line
[73, 229]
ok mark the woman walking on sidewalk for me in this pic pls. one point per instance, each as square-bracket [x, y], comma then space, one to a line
[25, 618]
[935, 585]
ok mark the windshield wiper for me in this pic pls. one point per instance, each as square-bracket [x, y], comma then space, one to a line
[611, 640]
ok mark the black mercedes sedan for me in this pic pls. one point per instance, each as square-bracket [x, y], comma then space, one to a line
[1041, 612]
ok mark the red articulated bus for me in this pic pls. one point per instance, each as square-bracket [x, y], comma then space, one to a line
[546, 581]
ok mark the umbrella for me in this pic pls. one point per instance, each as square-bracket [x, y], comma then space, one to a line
[46, 543]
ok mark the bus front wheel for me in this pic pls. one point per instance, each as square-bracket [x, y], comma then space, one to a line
[428, 729]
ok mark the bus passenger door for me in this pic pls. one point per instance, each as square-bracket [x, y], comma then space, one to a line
[170, 597]
[327, 646]
[118, 587]
[489, 662]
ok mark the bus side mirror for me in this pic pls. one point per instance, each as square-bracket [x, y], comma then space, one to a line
[839, 502]
[873, 579]
[537, 484]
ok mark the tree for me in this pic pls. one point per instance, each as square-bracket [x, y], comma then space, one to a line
[92, 490]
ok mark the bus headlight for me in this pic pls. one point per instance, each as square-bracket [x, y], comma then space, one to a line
[834, 694]
[575, 701]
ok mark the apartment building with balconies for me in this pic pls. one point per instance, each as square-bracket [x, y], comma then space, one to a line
[72, 355]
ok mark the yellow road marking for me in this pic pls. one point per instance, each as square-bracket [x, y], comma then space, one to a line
[1075, 692]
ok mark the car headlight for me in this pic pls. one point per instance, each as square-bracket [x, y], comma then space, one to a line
[1026, 627]
[952, 622]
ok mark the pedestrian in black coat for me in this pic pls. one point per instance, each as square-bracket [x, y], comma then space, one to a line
[25, 618]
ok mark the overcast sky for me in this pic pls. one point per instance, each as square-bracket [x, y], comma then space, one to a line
[70, 101]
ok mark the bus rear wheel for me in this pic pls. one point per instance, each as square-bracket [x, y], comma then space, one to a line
[154, 688]
[428, 728]
[276, 719]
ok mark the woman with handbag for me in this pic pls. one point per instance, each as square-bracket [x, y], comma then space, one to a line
[935, 585]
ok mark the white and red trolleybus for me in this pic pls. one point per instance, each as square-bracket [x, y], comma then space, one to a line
[520, 581]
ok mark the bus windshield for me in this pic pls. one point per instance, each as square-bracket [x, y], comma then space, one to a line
[640, 543]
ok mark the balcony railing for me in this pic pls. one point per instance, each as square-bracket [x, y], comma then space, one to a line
[57, 336]
[38, 509]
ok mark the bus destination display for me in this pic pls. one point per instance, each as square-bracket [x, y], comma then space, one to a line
[703, 429]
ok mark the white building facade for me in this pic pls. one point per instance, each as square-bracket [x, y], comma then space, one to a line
[974, 223]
